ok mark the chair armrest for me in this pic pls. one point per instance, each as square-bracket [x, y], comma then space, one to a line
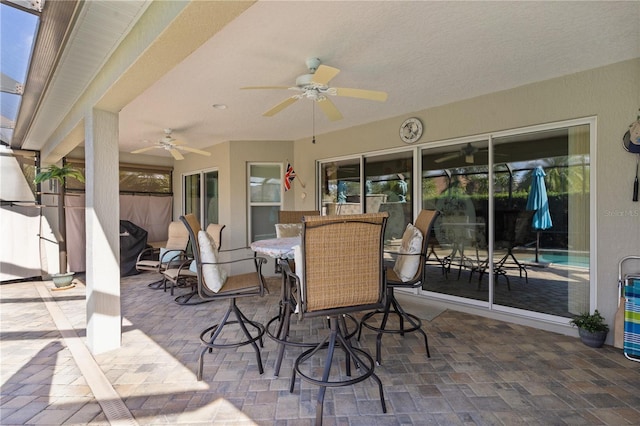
[257, 262]
[291, 276]
[167, 260]
[147, 252]
[184, 265]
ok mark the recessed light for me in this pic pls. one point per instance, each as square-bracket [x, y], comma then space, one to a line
[219, 106]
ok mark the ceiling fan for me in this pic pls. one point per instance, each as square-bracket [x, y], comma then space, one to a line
[315, 86]
[172, 145]
[468, 151]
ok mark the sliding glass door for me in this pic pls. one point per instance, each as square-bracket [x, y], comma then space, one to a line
[455, 181]
[513, 233]
[513, 230]
[201, 196]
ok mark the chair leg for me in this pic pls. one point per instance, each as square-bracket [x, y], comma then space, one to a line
[329, 343]
[414, 322]
[156, 285]
[241, 320]
[215, 330]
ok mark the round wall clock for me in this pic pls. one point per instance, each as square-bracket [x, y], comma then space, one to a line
[411, 130]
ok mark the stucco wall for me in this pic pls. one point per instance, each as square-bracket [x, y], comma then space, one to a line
[230, 159]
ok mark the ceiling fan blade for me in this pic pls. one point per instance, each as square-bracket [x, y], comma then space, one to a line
[447, 157]
[195, 151]
[330, 110]
[371, 95]
[141, 150]
[176, 154]
[264, 87]
[282, 105]
[324, 74]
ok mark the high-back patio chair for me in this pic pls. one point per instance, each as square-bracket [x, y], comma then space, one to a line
[339, 270]
[290, 225]
[215, 283]
[161, 258]
[295, 216]
[408, 271]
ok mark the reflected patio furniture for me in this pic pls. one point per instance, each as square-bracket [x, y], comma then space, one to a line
[212, 286]
[158, 259]
[460, 233]
[515, 225]
[433, 241]
[340, 271]
[481, 263]
[424, 224]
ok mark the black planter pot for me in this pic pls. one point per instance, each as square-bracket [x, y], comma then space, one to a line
[594, 339]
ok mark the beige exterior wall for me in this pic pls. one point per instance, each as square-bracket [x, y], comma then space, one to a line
[231, 159]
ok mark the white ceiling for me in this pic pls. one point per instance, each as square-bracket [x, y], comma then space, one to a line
[422, 53]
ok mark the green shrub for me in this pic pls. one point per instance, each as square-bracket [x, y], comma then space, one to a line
[590, 322]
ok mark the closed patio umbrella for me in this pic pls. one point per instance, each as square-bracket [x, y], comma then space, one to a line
[539, 202]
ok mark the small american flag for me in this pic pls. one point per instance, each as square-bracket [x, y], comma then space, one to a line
[289, 176]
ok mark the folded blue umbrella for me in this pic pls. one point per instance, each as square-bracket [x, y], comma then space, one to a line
[538, 201]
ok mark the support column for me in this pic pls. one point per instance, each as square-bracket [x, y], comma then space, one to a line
[102, 231]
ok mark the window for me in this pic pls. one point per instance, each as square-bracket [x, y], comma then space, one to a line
[265, 199]
[201, 196]
[134, 178]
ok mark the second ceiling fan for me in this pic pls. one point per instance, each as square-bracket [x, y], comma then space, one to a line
[172, 145]
[315, 86]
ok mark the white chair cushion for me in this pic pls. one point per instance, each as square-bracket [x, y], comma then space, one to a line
[286, 230]
[167, 255]
[407, 266]
[213, 277]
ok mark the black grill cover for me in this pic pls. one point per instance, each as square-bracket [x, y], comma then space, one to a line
[133, 240]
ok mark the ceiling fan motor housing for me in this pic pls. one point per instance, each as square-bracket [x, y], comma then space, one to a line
[313, 64]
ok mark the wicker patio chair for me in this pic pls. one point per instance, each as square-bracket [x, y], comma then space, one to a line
[290, 225]
[339, 270]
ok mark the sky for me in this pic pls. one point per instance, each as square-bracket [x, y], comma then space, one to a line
[17, 33]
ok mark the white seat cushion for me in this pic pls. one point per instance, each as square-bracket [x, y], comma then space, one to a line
[213, 277]
[407, 266]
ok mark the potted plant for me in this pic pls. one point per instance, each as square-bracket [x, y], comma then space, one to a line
[591, 328]
[59, 174]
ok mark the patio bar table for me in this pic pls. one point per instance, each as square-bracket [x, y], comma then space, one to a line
[280, 249]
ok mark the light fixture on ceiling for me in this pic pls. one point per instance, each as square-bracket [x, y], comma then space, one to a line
[219, 106]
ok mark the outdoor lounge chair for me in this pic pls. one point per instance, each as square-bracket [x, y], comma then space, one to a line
[172, 254]
[184, 274]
